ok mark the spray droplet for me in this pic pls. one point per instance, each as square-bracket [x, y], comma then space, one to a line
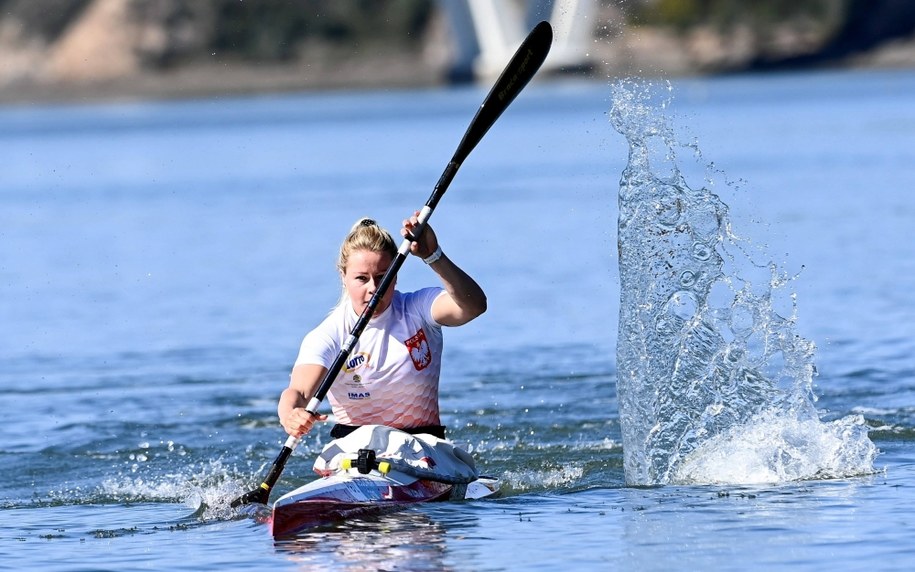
[701, 251]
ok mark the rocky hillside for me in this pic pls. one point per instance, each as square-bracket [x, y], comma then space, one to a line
[83, 49]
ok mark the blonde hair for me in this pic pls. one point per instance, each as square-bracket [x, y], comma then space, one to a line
[365, 235]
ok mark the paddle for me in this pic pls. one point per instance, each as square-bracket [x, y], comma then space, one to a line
[519, 71]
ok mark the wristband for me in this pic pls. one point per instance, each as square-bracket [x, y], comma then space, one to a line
[434, 256]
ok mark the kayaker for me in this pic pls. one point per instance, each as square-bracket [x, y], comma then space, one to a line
[392, 375]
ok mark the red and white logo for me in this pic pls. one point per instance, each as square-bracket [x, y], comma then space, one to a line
[420, 352]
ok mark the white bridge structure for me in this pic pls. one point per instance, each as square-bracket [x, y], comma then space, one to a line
[487, 32]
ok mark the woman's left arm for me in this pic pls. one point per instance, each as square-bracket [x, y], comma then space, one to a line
[463, 299]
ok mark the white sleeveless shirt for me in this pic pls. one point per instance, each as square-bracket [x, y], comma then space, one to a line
[391, 377]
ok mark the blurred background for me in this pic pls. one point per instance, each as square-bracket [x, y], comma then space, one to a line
[59, 50]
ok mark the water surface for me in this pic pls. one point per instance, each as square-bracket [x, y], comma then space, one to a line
[161, 261]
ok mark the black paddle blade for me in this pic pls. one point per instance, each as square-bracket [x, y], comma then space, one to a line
[259, 495]
[519, 71]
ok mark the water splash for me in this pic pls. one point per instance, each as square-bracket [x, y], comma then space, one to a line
[714, 382]
[207, 487]
[549, 478]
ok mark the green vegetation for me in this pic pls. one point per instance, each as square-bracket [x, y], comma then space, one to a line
[726, 14]
[170, 34]
[258, 31]
[276, 29]
[43, 18]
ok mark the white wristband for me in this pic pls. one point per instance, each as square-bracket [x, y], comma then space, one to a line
[434, 256]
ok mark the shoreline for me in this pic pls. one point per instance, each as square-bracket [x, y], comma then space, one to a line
[204, 81]
[382, 71]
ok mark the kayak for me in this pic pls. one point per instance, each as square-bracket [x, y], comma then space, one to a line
[377, 470]
[343, 496]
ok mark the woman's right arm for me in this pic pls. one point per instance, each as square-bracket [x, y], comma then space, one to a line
[291, 409]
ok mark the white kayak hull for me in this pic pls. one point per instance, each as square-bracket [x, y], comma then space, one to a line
[349, 494]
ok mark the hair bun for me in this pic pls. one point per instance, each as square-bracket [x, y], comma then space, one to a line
[366, 234]
[364, 222]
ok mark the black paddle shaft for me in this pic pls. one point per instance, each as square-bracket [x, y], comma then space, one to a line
[516, 75]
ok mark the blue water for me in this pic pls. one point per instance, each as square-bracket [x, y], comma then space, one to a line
[159, 263]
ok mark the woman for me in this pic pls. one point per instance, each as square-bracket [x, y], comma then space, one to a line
[391, 377]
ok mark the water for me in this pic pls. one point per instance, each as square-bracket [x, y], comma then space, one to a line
[161, 261]
[715, 382]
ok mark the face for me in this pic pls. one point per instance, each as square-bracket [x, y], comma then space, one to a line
[362, 276]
